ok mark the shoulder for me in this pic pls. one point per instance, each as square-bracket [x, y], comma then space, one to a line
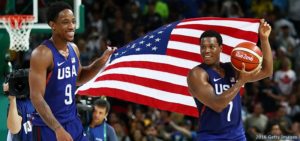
[196, 72]
[42, 54]
[75, 48]
[42, 51]
[110, 128]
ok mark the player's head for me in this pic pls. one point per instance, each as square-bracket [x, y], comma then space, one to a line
[211, 46]
[61, 19]
[101, 108]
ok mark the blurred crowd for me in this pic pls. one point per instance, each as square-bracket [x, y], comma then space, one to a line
[270, 106]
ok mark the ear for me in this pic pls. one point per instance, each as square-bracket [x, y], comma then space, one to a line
[106, 116]
[52, 25]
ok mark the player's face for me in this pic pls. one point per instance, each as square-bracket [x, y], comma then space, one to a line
[65, 25]
[210, 50]
[99, 114]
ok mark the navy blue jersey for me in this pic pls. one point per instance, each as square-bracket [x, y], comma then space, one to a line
[226, 125]
[61, 86]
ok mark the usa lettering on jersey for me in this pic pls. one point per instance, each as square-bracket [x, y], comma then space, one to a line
[66, 72]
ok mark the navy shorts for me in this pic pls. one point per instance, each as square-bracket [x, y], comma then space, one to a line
[74, 128]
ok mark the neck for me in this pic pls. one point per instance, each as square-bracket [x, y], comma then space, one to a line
[94, 124]
[59, 43]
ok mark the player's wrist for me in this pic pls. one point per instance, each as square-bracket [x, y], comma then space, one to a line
[55, 129]
[240, 82]
[264, 39]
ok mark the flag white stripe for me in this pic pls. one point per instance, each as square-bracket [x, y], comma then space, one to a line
[144, 73]
[226, 23]
[225, 57]
[145, 91]
[163, 59]
[227, 40]
[184, 46]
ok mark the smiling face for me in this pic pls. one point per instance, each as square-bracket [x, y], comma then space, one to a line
[210, 50]
[64, 25]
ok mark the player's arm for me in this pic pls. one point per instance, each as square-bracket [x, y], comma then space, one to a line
[267, 63]
[85, 73]
[200, 88]
[40, 61]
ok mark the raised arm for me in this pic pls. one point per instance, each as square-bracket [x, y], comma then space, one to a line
[86, 73]
[267, 63]
[200, 88]
[40, 62]
[14, 120]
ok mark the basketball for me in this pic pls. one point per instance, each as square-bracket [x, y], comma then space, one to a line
[247, 53]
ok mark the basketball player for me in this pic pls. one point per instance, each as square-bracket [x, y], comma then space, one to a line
[215, 87]
[54, 72]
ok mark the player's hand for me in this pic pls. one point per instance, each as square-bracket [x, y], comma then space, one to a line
[264, 29]
[62, 135]
[245, 76]
[108, 52]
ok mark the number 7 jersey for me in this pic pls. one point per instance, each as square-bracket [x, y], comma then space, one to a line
[226, 125]
[61, 86]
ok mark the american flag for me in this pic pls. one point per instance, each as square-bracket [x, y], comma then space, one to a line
[152, 70]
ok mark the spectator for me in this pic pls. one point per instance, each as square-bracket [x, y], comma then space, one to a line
[98, 128]
[285, 77]
[121, 132]
[293, 107]
[282, 119]
[296, 130]
[257, 119]
[269, 96]
[285, 39]
[152, 20]
[151, 134]
[275, 130]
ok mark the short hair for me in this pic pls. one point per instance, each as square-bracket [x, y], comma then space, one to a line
[55, 8]
[212, 33]
[102, 103]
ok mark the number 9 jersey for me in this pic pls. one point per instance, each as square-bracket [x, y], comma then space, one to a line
[226, 125]
[61, 86]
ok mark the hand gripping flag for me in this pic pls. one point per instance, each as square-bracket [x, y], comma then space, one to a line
[152, 69]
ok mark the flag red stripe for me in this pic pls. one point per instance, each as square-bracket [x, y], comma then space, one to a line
[185, 55]
[151, 65]
[140, 99]
[221, 19]
[151, 83]
[193, 40]
[184, 39]
[233, 32]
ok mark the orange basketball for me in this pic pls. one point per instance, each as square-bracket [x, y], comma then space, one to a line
[247, 53]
